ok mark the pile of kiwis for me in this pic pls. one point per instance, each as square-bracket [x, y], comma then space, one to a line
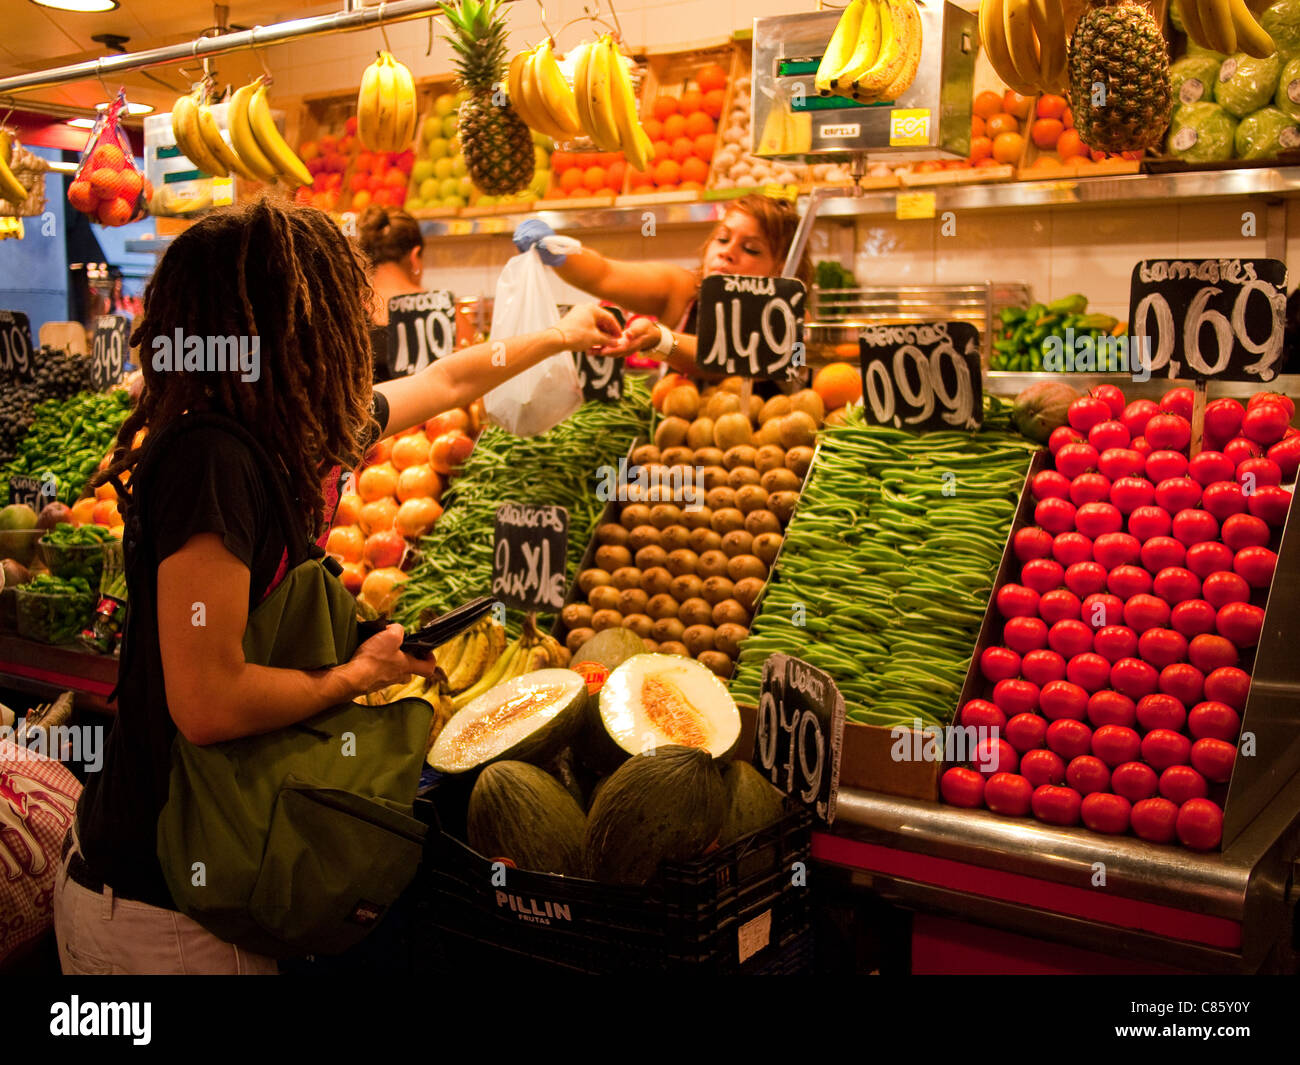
[706, 508]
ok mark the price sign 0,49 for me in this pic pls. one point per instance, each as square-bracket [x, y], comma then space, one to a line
[15, 346]
[1200, 318]
[800, 732]
[529, 556]
[923, 376]
[751, 326]
[108, 351]
[421, 328]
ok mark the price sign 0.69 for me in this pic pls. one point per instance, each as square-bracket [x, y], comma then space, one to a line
[923, 376]
[800, 732]
[1201, 318]
[751, 326]
[421, 328]
[108, 351]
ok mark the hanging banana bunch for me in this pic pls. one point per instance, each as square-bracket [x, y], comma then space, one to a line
[256, 150]
[1227, 26]
[874, 52]
[386, 106]
[1025, 43]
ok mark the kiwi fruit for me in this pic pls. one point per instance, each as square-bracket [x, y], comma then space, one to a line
[612, 533]
[643, 536]
[737, 542]
[663, 515]
[577, 637]
[667, 628]
[726, 637]
[605, 597]
[672, 647]
[712, 564]
[776, 407]
[743, 455]
[716, 661]
[716, 589]
[651, 646]
[577, 616]
[743, 566]
[810, 403]
[650, 557]
[646, 454]
[698, 517]
[590, 579]
[641, 624]
[751, 497]
[797, 461]
[748, 591]
[634, 514]
[695, 612]
[762, 521]
[704, 539]
[683, 561]
[766, 547]
[713, 477]
[724, 521]
[779, 479]
[661, 606]
[743, 475]
[659, 492]
[632, 601]
[682, 402]
[655, 581]
[721, 403]
[720, 498]
[686, 586]
[782, 504]
[708, 456]
[626, 577]
[730, 612]
[672, 432]
[700, 433]
[609, 557]
[732, 429]
[798, 429]
[675, 537]
[769, 457]
[606, 619]
[698, 639]
[676, 456]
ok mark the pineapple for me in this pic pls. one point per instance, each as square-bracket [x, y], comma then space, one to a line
[497, 146]
[1119, 78]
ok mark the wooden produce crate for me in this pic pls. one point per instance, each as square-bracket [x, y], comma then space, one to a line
[325, 135]
[433, 128]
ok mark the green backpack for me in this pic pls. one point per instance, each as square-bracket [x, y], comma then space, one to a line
[297, 842]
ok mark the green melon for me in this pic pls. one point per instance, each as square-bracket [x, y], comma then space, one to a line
[610, 648]
[1042, 407]
[752, 803]
[667, 804]
[519, 812]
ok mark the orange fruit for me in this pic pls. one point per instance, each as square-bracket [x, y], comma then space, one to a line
[381, 588]
[690, 101]
[345, 542]
[699, 124]
[105, 513]
[378, 515]
[1050, 106]
[614, 174]
[690, 186]
[83, 511]
[683, 149]
[713, 100]
[410, 451]
[1046, 132]
[665, 106]
[106, 491]
[695, 170]
[1002, 123]
[704, 145]
[663, 386]
[711, 77]
[415, 517]
[977, 126]
[1008, 147]
[638, 179]
[449, 451]
[987, 104]
[376, 482]
[654, 129]
[593, 178]
[663, 150]
[1015, 104]
[1067, 119]
[348, 511]
[380, 452]
[384, 548]
[674, 127]
[982, 163]
[980, 148]
[353, 575]
[838, 383]
[667, 172]
[571, 179]
[446, 422]
[416, 481]
[1069, 145]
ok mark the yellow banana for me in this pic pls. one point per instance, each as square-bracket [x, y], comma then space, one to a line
[911, 56]
[1252, 38]
[555, 94]
[637, 150]
[496, 673]
[185, 127]
[287, 164]
[216, 143]
[1216, 19]
[994, 39]
[515, 88]
[470, 667]
[368, 107]
[1048, 20]
[581, 59]
[843, 43]
[447, 655]
[893, 51]
[387, 103]
[604, 131]
[11, 188]
[242, 137]
[1017, 23]
[404, 93]
[496, 635]
[1191, 12]
[530, 86]
[867, 51]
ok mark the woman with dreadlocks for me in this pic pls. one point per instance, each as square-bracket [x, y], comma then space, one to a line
[257, 388]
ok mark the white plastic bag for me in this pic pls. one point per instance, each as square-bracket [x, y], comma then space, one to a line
[540, 398]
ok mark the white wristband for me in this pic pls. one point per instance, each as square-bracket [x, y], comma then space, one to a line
[666, 341]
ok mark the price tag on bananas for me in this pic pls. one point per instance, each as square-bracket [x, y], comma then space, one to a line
[530, 555]
[421, 328]
[108, 351]
[1201, 318]
[751, 326]
[922, 376]
[800, 733]
[15, 346]
[600, 378]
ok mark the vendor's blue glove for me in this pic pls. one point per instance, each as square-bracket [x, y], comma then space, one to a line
[530, 234]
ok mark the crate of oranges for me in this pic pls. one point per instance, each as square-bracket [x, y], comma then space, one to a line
[998, 122]
[584, 179]
[1054, 146]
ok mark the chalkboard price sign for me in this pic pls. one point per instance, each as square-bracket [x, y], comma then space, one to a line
[530, 555]
[751, 326]
[108, 351]
[600, 378]
[922, 376]
[15, 346]
[1202, 318]
[421, 328]
[34, 491]
[800, 732]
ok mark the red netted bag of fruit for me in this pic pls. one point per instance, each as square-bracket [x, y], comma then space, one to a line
[107, 187]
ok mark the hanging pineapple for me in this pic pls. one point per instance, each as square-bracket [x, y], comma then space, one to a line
[1119, 77]
[497, 146]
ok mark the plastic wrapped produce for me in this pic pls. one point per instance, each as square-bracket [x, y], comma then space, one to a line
[1266, 133]
[1245, 84]
[1192, 78]
[1282, 21]
[1201, 133]
[1287, 97]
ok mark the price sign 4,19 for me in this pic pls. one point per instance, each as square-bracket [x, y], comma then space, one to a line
[421, 328]
[752, 326]
[924, 376]
[799, 733]
[15, 346]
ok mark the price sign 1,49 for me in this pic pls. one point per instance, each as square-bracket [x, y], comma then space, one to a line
[751, 326]
[800, 732]
[924, 376]
[421, 328]
[108, 351]
[15, 346]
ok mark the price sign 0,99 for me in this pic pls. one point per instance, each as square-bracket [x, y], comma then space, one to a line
[15, 346]
[421, 328]
[800, 733]
[1200, 318]
[108, 351]
[529, 556]
[923, 376]
[600, 378]
[751, 326]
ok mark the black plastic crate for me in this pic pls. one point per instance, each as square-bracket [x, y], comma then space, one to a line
[692, 917]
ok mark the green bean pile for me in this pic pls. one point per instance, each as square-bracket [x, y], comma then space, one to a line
[68, 439]
[558, 468]
[891, 556]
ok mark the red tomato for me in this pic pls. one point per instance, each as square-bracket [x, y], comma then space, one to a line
[1101, 609]
[1255, 565]
[1017, 601]
[1223, 418]
[962, 787]
[1142, 612]
[1114, 642]
[1108, 434]
[1069, 637]
[1271, 504]
[1095, 519]
[1008, 794]
[1087, 774]
[994, 756]
[1162, 647]
[1214, 721]
[1085, 578]
[1239, 449]
[1245, 530]
[1149, 522]
[1106, 707]
[1108, 394]
[1272, 397]
[1015, 696]
[1195, 527]
[1071, 547]
[1160, 552]
[1230, 685]
[1049, 484]
[1208, 557]
[1074, 459]
[1133, 677]
[1159, 710]
[1105, 813]
[1042, 667]
[1193, 618]
[1031, 542]
[1056, 806]
[1178, 493]
[1200, 823]
[980, 713]
[1063, 435]
[1168, 432]
[1141, 446]
[1061, 698]
[1179, 783]
[1184, 682]
[1042, 766]
[1115, 744]
[1154, 819]
[1025, 732]
[1213, 760]
[1042, 574]
[1208, 653]
[1088, 670]
[1087, 411]
[1241, 623]
[1129, 493]
[999, 663]
[1116, 549]
[1256, 473]
[1178, 401]
[1161, 465]
[1265, 423]
[1058, 605]
[1069, 738]
[1135, 781]
[1224, 498]
[1055, 515]
[1220, 589]
[1164, 747]
[1286, 453]
[1128, 581]
[1089, 488]
[1211, 466]
[1137, 414]
[1175, 585]
[1121, 462]
[1025, 634]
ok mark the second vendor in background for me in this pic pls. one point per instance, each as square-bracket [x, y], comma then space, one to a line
[394, 247]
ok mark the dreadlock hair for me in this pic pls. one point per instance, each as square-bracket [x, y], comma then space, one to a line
[286, 275]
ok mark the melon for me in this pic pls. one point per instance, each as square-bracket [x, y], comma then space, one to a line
[667, 804]
[520, 813]
[610, 648]
[527, 719]
[752, 803]
[1042, 407]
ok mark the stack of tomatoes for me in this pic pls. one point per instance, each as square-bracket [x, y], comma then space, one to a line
[1118, 686]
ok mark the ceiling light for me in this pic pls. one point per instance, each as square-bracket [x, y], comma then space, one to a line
[81, 123]
[78, 5]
